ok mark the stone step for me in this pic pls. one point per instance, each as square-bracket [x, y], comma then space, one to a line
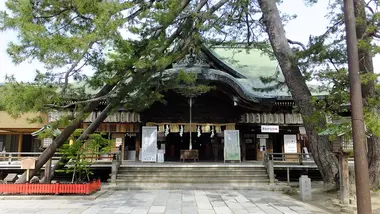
[227, 176]
[193, 173]
[190, 180]
[189, 175]
[196, 186]
[228, 170]
[194, 166]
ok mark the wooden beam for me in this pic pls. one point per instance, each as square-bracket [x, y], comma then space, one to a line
[6, 133]
[137, 141]
[19, 144]
[18, 130]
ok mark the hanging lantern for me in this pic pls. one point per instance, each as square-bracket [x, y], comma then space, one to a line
[167, 130]
[212, 132]
[181, 130]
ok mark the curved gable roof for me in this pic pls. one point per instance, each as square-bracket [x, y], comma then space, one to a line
[253, 65]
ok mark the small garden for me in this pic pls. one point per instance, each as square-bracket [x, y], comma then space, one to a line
[82, 154]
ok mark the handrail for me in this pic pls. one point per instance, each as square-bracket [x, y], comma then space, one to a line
[17, 156]
[26, 153]
[300, 157]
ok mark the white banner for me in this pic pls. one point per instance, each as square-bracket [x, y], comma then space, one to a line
[270, 129]
[149, 144]
[290, 143]
[231, 145]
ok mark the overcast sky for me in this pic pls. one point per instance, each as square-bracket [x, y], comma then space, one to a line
[309, 21]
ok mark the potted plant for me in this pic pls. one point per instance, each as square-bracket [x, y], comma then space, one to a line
[83, 154]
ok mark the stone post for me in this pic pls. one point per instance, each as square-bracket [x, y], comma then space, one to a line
[344, 179]
[268, 162]
[305, 188]
[270, 171]
[115, 168]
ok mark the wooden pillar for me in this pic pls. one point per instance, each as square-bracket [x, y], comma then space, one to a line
[137, 147]
[19, 144]
[243, 148]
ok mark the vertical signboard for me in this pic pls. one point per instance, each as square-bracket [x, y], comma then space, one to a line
[290, 143]
[149, 144]
[231, 145]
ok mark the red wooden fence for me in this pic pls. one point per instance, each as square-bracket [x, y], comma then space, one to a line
[56, 188]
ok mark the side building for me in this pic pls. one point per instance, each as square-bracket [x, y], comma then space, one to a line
[16, 133]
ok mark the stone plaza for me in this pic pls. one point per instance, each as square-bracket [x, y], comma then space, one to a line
[167, 201]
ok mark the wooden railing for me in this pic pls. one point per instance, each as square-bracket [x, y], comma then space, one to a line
[12, 158]
[300, 158]
[286, 160]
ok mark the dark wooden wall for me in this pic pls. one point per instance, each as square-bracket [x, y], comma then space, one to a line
[212, 107]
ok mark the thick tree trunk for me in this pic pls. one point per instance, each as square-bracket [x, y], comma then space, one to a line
[320, 146]
[368, 89]
[67, 132]
[91, 129]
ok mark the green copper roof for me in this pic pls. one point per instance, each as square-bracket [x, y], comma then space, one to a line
[254, 65]
[250, 63]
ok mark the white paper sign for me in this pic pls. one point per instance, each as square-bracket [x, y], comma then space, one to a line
[119, 142]
[231, 145]
[149, 144]
[262, 136]
[290, 143]
[270, 129]
[263, 144]
[302, 130]
[46, 142]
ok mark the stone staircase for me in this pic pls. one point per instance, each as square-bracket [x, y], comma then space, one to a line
[202, 176]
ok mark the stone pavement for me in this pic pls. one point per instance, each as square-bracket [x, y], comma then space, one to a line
[168, 201]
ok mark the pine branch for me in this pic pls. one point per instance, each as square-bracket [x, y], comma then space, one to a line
[75, 64]
[77, 102]
[183, 5]
[297, 43]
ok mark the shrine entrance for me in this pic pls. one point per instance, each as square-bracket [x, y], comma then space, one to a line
[211, 113]
[209, 149]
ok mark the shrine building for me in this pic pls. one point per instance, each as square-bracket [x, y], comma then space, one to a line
[263, 120]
